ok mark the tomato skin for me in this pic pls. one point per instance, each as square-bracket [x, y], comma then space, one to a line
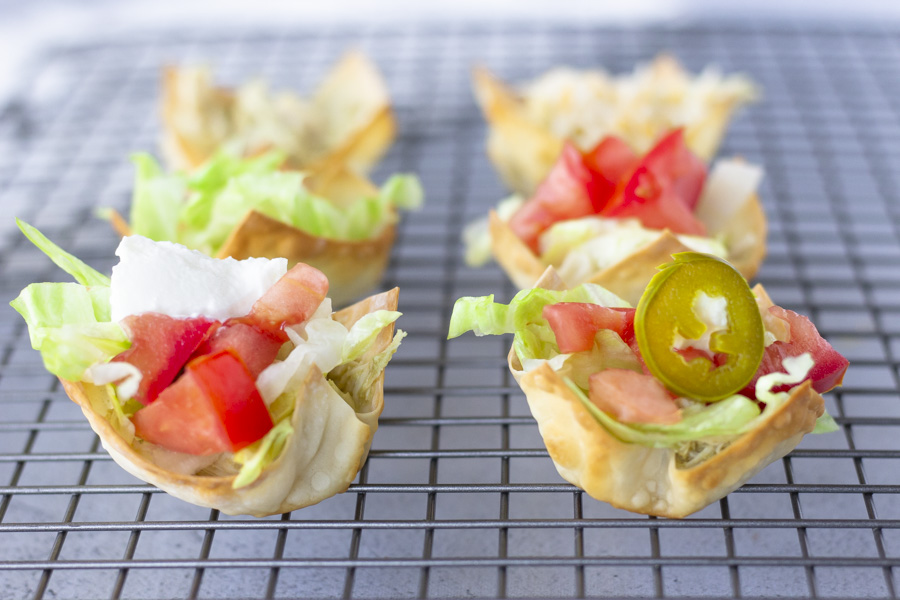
[256, 347]
[609, 161]
[561, 196]
[213, 407]
[664, 188]
[230, 388]
[679, 169]
[647, 198]
[291, 300]
[576, 323]
[160, 347]
[632, 397]
[182, 420]
[830, 366]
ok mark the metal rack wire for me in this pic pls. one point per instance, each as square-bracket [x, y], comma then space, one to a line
[458, 498]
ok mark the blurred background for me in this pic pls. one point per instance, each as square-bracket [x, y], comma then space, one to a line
[28, 26]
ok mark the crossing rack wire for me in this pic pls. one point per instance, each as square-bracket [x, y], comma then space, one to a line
[458, 497]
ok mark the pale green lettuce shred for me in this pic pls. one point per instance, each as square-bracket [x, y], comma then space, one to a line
[200, 209]
[69, 323]
[725, 418]
[476, 235]
[356, 378]
[363, 333]
[82, 273]
[261, 453]
[522, 316]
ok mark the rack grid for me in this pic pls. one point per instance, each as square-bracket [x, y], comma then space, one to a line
[458, 497]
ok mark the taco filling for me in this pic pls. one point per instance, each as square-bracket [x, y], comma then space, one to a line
[200, 357]
[701, 361]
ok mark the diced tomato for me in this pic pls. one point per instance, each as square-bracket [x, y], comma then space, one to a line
[646, 198]
[292, 300]
[576, 323]
[609, 161]
[213, 407]
[160, 347]
[664, 189]
[679, 169]
[830, 366]
[632, 397]
[255, 347]
[562, 195]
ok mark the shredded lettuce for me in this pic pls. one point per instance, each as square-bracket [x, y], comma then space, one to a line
[356, 379]
[582, 247]
[363, 333]
[476, 236]
[522, 316]
[201, 209]
[82, 273]
[340, 355]
[261, 453]
[69, 323]
[725, 418]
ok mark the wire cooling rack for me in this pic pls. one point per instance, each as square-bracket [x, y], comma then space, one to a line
[458, 498]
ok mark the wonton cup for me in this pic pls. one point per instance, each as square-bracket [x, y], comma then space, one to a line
[650, 480]
[744, 235]
[348, 119]
[321, 458]
[523, 149]
[352, 266]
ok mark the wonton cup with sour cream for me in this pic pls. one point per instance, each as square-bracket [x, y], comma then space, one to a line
[528, 127]
[330, 441]
[323, 392]
[729, 208]
[348, 120]
[655, 480]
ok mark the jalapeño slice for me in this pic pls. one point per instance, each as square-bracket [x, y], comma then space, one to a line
[667, 317]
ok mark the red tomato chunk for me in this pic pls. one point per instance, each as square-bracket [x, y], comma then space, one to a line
[661, 189]
[576, 323]
[293, 299]
[160, 346]
[255, 347]
[830, 366]
[214, 407]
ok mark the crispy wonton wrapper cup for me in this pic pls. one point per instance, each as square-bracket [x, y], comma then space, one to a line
[523, 151]
[352, 267]
[744, 234]
[321, 458]
[351, 105]
[649, 480]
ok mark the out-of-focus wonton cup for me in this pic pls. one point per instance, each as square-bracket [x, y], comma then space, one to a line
[653, 480]
[527, 128]
[739, 222]
[321, 458]
[352, 266]
[347, 120]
